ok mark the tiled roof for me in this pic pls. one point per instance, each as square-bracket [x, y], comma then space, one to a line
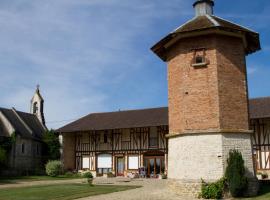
[208, 22]
[120, 119]
[28, 121]
[259, 108]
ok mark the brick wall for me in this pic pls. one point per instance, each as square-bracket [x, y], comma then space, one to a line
[211, 97]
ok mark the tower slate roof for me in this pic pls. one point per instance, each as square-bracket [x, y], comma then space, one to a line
[208, 24]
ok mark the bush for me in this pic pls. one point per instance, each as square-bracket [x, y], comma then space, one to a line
[54, 168]
[235, 174]
[87, 175]
[213, 190]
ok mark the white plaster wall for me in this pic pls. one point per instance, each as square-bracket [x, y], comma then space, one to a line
[193, 157]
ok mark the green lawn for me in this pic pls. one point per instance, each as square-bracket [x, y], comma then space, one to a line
[5, 180]
[59, 192]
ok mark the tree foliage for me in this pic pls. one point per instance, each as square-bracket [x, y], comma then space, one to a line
[52, 149]
[235, 174]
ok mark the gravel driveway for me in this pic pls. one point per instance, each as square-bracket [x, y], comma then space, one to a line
[151, 189]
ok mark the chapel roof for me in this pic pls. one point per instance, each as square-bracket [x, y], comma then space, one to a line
[25, 124]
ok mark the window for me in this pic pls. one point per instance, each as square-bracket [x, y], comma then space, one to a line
[105, 137]
[153, 139]
[133, 162]
[86, 163]
[104, 164]
[35, 108]
[23, 148]
[199, 60]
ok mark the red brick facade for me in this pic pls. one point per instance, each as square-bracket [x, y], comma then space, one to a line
[211, 97]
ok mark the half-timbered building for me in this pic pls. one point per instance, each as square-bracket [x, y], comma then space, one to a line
[118, 142]
[260, 123]
[124, 141]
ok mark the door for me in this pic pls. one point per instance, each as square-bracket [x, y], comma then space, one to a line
[120, 165]
[154, 166]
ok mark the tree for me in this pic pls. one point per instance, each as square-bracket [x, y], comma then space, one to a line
[235, 174]
[52, 150]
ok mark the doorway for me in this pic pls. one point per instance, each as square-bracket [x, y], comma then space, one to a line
[120, 166]
[154, 165]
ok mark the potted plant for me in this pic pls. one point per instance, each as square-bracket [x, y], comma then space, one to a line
[89, 177]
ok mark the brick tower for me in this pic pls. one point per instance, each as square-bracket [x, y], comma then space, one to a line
[208, 98]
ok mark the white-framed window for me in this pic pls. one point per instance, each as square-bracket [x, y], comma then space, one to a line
[133, 162]
[104, 161]
[86, 163]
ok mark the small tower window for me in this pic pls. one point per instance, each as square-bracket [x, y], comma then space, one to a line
[35, 108]
[199, 60]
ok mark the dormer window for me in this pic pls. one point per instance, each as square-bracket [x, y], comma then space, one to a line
[199, 58]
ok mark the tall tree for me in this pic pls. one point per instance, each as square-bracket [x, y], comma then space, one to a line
[52, 150]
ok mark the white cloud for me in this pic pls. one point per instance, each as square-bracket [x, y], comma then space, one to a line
[74, 49]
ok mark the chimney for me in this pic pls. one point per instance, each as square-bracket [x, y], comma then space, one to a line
[203, 7]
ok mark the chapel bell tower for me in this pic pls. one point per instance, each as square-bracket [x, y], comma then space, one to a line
[36, 107]
[208, 95]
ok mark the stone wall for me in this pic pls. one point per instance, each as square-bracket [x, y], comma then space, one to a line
[204, 156]
[195, 156]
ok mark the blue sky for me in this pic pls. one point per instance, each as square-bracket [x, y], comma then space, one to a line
[94, 55]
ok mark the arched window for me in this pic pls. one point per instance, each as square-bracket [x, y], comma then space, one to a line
[35, 108]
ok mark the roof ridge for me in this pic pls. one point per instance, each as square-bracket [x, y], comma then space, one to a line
[257, 98]
[213, 20]
[184, 24]
[22, 121]
[154, 108]
[249, 29]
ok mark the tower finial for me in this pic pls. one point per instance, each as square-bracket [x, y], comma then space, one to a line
[37, 87]
[204, 7]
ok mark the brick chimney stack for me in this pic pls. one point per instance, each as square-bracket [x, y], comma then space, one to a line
[203, 7]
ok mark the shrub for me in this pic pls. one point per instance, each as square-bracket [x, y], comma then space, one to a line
[235, 174]
[213, 190]
[87, 175]
[54, 168]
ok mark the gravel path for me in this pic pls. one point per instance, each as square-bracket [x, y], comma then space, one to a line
[151, 190]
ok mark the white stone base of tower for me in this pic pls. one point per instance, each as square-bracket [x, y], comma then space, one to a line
[193, 157]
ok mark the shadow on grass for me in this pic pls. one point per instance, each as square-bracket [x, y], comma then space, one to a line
[264, 193]
[14, 180]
